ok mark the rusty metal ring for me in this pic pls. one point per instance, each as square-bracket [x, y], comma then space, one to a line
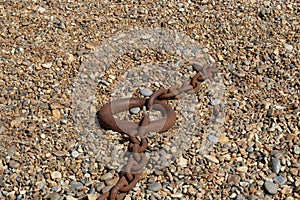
[108, 121]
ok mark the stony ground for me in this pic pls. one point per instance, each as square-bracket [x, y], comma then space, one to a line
[256, 46]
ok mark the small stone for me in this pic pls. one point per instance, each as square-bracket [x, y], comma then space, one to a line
[93, 196]
[288, 47]
[155, 187]
[215, 102]
[55, 175]
[233, 179]
[212, 138]
[177, 195]
[275, 165]
[60, 153]
[271, 187]
[76, 185]
[47, 65]
[240, 197]
[182, 162]
[70, 198]
[56, 188]
[294, 171]
[280, 180]
[211, 158]
[74, 154]
[296, 149]
[56, 114]
[14, 164]
[16, 122]
[249, 149]
[223, 139]
[43, 135]
[242, 169]
[112, 181]
[106, 176]
[19, 197]
[146, 37]
[286, 190]
[1, 168]
[70, 145]
[135, 110]
[54, 196]
[146, 92]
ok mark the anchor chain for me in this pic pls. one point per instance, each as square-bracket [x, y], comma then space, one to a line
[137, 132]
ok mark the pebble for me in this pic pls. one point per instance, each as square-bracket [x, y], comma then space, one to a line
[211, 158]
[270, 187]
[288, 47]
[76, 185]
[212, 138]
[135, 110]
[296, 149]
[55, 175]
[74, 154]
[69, 197]
[250, 149]
[155, 187]
[54, 196]
[215, 102]
[92, 196]
[14, 164]
[106, 176]
[56, 188]
[280, 180]
[47, 65]
[275, 165]
[146, 92]
[146, 37]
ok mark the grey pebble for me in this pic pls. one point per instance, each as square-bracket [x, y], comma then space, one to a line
[288, 47]
[155, 187]
[280, 180]
[75, 154]
[240, 197]
[296, 149]
[56, 188]
[53, 196]
[250, 149]
[135, 110]
[246, 62]
[215, 102]
[146, 92]
[275, 165]
[19, 197]
[212, 138]
[76, 185]
[92, 190]
[270, 187]
[146, 37]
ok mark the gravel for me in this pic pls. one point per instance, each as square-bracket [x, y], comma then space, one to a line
[248, 151]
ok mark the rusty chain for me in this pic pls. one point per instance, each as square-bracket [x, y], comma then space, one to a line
[137, 132]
